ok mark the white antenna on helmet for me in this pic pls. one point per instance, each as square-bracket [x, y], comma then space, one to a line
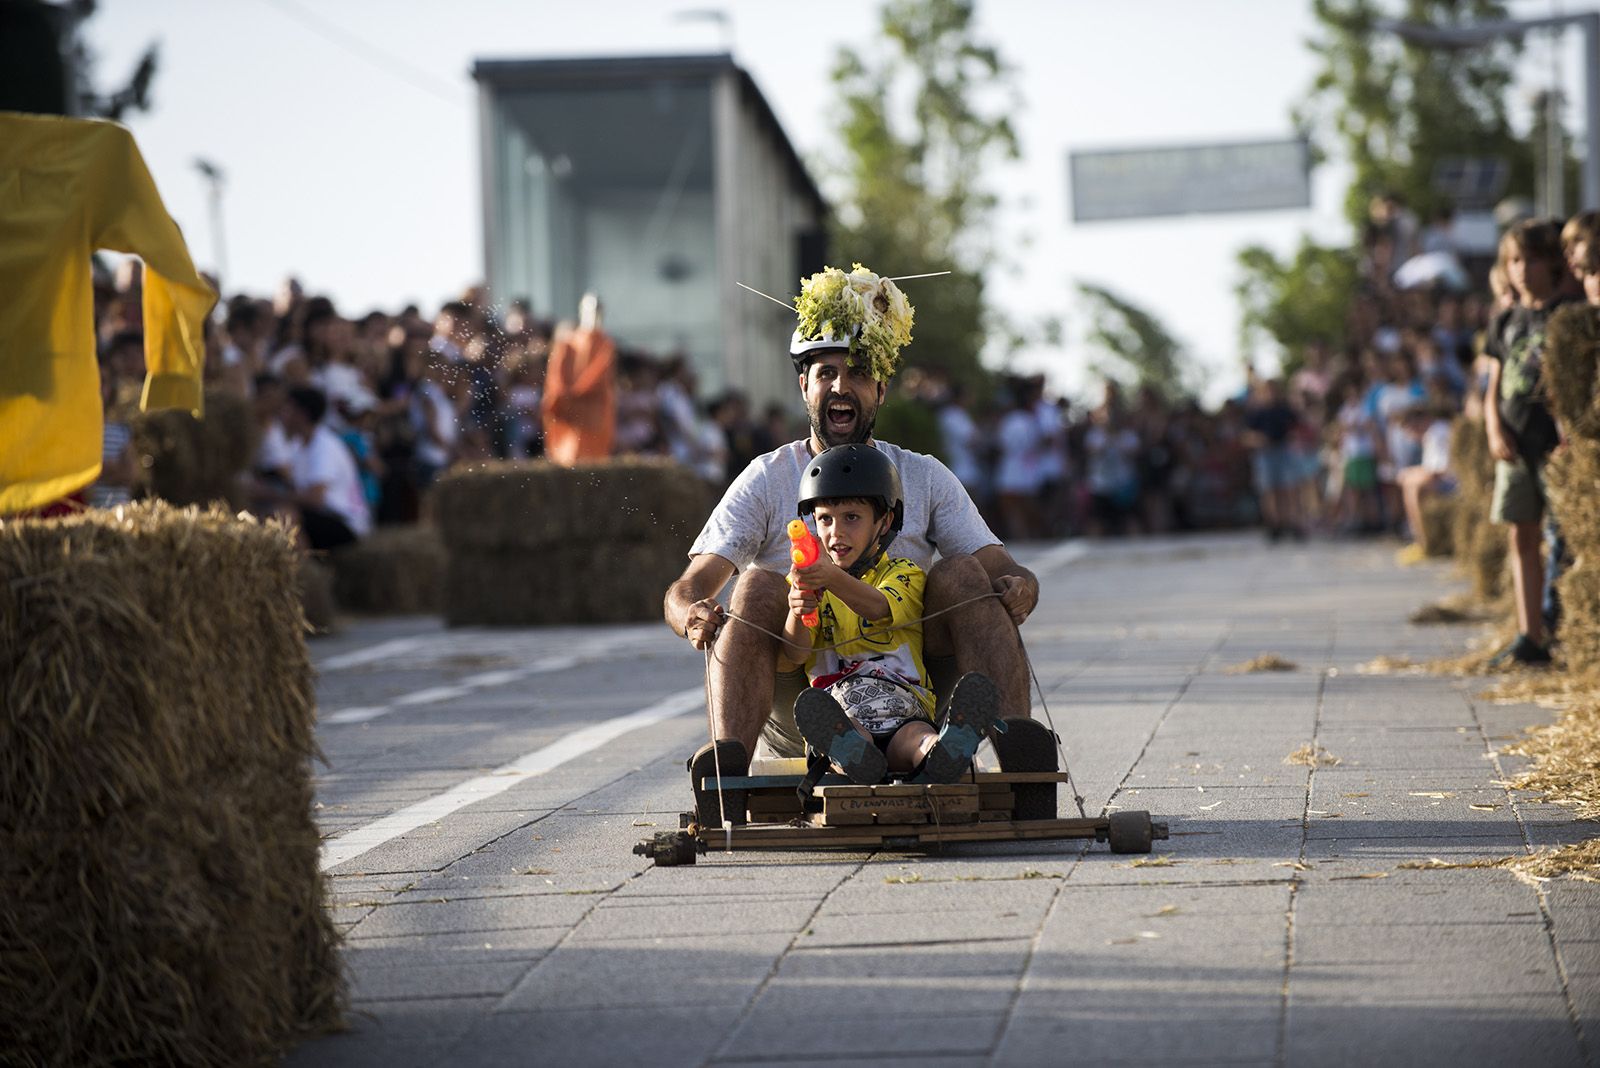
[775, 300]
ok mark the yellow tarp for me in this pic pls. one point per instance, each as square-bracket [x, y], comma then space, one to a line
[67, 188]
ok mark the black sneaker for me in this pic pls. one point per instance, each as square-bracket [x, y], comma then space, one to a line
[734, 762]
[1523, 651]
[974, 710]
[827, 729]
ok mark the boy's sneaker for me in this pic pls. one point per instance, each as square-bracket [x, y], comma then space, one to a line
[826, 729]
[1523, 651]
[735, 762]
[974, 709]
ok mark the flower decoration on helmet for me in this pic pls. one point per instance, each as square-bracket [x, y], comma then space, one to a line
[860, 312]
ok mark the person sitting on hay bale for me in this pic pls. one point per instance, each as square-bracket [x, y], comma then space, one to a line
[845, 349]
[325, 491]
[1430, 425]
[855, 626]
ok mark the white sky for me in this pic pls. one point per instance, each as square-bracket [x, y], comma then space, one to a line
[348, 130]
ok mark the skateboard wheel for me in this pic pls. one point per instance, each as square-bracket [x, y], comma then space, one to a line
[1129, 832]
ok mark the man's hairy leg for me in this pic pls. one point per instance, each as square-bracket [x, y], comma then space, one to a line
[981, 635]
[744, 661]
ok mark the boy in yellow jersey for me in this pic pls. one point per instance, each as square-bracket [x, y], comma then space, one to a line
[869, 707]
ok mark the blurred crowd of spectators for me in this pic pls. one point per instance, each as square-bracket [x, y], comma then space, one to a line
[404, 397]
[356, 417]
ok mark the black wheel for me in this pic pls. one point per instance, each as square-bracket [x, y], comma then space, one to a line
[669, 848]
[1129, 832]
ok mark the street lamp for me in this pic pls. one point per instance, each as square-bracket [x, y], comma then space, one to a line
[214, 178]
[1456, 37]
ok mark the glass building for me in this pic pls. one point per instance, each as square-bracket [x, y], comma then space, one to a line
[656, 182]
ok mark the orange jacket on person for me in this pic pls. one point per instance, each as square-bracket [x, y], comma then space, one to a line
[67, 188]
[580, 398]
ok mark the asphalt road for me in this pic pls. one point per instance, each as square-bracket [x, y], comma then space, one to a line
[483, 791]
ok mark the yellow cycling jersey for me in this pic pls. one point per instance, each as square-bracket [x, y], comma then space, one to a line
[889, 649]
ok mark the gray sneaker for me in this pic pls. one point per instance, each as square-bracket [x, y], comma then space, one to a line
[827, 729]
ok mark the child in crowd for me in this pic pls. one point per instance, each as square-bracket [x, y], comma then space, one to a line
[869, 708]
[1430, 426]
[1358, 451]
[1522, 432]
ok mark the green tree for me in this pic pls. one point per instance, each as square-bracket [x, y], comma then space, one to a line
[921, 120]
[1292, 302]
[1143, 352]
[1396, 109]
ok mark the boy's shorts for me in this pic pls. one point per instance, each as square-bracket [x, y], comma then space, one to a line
[781, 738]
[1518, 492]
[1361, 473]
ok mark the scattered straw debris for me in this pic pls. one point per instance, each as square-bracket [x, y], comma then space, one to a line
[1436, 864]
[1566, 761]
[1449, 610]
[1312, 756]
[1165, 911]
[1162, 861]
[1548, 689]
[1264, 662]
[1580, 861]
[1435, 795]
[1363, 875]
[1389, 665]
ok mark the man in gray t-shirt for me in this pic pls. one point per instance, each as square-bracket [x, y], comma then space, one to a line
[746, 535]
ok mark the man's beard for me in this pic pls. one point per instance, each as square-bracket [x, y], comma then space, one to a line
[860, 429]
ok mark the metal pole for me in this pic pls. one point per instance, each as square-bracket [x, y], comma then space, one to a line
[219, 247]
[1590, 24]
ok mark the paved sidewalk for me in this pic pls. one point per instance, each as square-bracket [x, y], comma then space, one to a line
[1277, 926]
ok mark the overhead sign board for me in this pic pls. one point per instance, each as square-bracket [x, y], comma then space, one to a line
[1145, 182]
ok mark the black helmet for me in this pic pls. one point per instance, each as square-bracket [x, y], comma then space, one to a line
[854, 471]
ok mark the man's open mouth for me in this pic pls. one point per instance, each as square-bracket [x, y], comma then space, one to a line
[840, 415]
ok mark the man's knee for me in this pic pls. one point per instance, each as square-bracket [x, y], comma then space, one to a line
[762, 597]
[956, 578]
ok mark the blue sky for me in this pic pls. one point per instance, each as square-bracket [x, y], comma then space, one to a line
[348, 132]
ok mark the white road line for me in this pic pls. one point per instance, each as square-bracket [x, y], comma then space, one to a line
[1060, 556]
[435, 694]
[382, 651]
[432, 695]
[354, 843]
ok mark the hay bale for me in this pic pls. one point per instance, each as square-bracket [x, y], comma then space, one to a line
[1573, 479]
[1486, 561]
[315, 582]
[394, 571]
[184, 460]
[535, 543]
[1571, 352]
[1476, 545]
[1580, 616]
[617, 582]
[1438, 525]
[529, 505]
[164, 901]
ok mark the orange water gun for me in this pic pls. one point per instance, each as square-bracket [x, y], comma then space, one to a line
[804, 550]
